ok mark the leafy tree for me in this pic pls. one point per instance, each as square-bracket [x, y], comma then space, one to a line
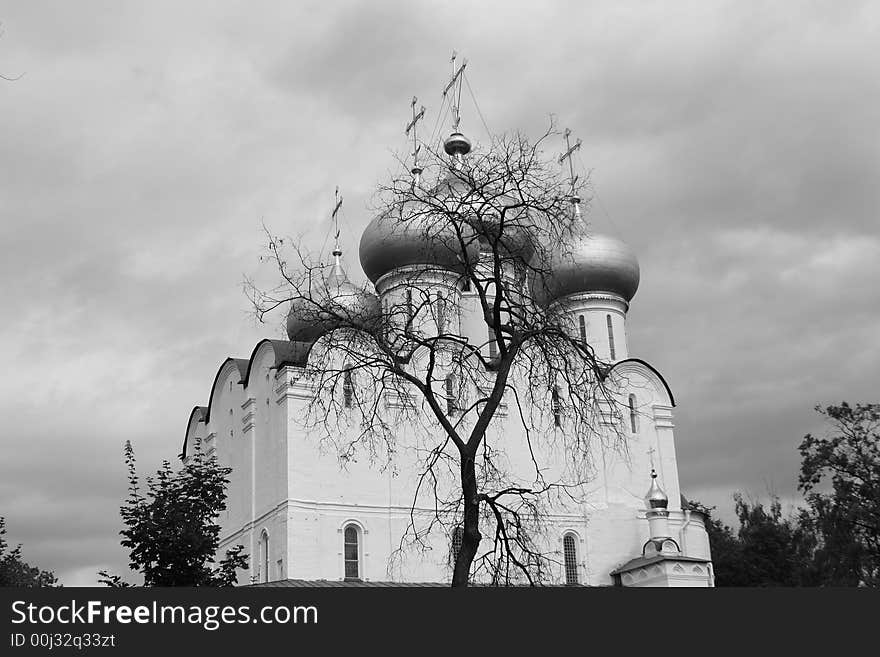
[840, 476]
[776, 551]
[766, 550]
[14, 571]
[171, 531]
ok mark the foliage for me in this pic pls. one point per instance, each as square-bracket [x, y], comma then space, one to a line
[171, 530]
[14, 571]
[834, 540]
[840, 477]
[766, 550]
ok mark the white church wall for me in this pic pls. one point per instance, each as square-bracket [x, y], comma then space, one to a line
[293, 486]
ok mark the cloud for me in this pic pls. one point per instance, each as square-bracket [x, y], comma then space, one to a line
[730, 144]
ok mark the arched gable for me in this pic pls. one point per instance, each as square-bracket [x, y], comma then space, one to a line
[284, 353]
[639, 366]
[230, 364]
[197, 416]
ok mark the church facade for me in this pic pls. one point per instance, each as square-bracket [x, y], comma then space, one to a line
[303, 516]
[307, 513]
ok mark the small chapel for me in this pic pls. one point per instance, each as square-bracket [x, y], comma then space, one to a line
[309, 518]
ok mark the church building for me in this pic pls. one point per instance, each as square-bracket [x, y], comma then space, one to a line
[306, 518]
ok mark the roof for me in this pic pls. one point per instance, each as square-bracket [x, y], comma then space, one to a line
[349, 584]
[650, 368]
[641, 562]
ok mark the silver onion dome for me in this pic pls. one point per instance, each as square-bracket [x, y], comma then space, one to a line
[592, 263]
[512, 238]
[655, 497]
[335, 302]
[414, 238]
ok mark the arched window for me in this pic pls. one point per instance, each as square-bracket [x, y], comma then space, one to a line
[569, 549]
[264, 556]
[610, 337]
[451, 405]
[351, 554]
[493, 347]
[633, 416]
[583, 326]
[556, 406]
[347, 388]
[457, 540]
[441, 312]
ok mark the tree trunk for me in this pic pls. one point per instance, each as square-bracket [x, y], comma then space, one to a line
[471, 535]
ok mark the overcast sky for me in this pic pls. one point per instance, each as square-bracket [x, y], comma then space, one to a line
[735, 145]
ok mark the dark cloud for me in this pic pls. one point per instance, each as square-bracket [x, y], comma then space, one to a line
[733, 146]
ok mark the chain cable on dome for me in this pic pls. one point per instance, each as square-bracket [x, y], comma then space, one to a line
[479, 112]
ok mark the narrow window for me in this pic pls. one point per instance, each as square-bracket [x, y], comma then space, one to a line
[633, 417]
[264, 555]
[451, 405]
[583, 326]
[347, 388]
[457, 539]
[352, 553]
[466, 285]
[493, 347]
[441, 312]
[610, 336]
[410, 309]
[569, 548]
[556, 407]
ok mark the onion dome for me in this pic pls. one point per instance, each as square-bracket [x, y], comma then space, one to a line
[511, 239]
[336, 302]
[396, 240]
[655, 496]
[593, 263]
[457, 144]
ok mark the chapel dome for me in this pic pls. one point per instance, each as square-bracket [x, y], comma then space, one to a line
[337, 302]
[593, 263]
[655, 497]
[413, 237]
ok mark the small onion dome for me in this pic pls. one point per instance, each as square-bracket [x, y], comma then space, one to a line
[593, 263]
[336, 302]
[655, 497]
[391, 241]
[457, 144]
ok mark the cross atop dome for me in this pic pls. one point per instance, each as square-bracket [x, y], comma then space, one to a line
[572, 178]
[411, 127]
[456, 144]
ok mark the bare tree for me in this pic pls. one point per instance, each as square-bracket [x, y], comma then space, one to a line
[484, 233]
